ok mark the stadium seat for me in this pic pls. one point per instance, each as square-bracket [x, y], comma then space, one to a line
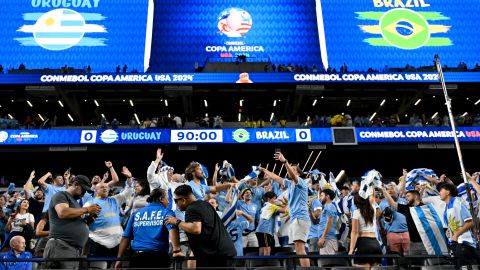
[282, 249]
[438, 261]
[287, 262]
[257, 263]
[385, 268]
[331, 262]
[347, 268]
[439, 267]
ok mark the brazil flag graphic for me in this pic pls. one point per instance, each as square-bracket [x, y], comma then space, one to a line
[405, 28]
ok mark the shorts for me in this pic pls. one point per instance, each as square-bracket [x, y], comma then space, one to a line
[329, 248]
[298, 230]
[367, 246]
[265, 240]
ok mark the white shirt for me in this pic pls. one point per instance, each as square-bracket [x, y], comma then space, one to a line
[17, 224]
[364, 227]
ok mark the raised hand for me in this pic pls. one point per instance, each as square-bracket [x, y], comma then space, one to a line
[279, 156]
[105, 177]
[108, 164]
[126, 172]
[159, 155]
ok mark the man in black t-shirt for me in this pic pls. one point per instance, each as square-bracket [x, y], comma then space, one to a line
[68, 229]
[207, 236]
[413, 199]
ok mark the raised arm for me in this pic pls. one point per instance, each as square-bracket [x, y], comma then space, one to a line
[113, 173]
[273, 176]
[472, 180]
[215, 174]
[402, 182]
[221, 187]
[43, 180]
[154, 165]
[127, 192]
[389, 198]
[291, 172]
[28, 187]
[432, 180]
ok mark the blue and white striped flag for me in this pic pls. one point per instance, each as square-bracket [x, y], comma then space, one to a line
[462, 193]
[254, 174]
[229, 213]
[370, 179]
[333, 185]
[430, 228]
[227, 170]
[415, 177]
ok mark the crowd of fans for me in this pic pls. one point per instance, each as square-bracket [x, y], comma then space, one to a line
[216, 218]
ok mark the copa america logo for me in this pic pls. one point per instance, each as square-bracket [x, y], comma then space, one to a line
[234, 22]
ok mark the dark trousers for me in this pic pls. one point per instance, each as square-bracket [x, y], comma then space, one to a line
[464, 255]
[97, 250]
[150, 259]
[214, 263]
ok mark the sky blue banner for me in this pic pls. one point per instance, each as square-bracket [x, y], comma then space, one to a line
[229, 78]
[410, 134]
[229, 136]
[77, 33]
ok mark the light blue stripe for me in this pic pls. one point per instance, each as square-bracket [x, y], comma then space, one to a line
[72, 23]
[87, 16]
[28, 41]
[428, 230]
[85, 42]
[56, 46]
[58, 35]
[31, 16]
[92, 42]
[439, 224]
[68, 12]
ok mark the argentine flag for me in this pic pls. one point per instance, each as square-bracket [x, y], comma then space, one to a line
[430, 228]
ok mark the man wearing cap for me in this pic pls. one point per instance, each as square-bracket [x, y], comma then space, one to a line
[68, 228]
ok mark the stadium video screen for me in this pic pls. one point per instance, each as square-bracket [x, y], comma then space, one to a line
[175, 41]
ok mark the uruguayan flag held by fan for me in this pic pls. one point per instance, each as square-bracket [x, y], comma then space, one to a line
[227, 170]
[430, 228]
[416, 176]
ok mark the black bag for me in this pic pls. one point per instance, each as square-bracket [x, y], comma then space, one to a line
[387, 215]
